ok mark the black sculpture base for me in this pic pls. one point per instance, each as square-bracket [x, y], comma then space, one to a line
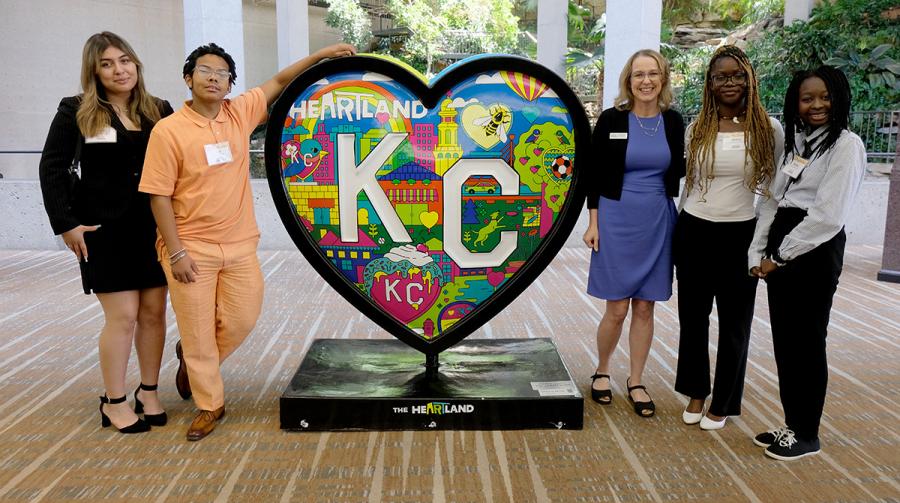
[889, 276]
[496, 384]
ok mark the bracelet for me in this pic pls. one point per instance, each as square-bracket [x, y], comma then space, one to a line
[176, 253]
[180, 255]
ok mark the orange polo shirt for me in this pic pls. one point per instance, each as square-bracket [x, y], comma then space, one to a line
[211, 203]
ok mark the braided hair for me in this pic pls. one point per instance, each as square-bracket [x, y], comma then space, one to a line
[759, 140]
[838, 117]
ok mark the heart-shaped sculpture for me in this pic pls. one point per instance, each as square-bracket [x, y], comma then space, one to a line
[428, 207]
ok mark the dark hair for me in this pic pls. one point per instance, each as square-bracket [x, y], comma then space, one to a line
[838, 117]
[191, 62]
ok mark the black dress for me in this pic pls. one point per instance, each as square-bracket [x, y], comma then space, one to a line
[121, 253]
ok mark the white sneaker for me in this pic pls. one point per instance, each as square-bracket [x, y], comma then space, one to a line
[708, 424]
[691, 417]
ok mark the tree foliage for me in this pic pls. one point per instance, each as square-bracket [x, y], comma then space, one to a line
[850, 34]
[352, 20]
[488, 26]
[734, 12]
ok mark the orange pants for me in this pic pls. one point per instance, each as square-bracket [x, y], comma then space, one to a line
[216, 312]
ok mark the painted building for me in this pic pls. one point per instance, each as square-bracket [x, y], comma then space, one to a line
[448, 150]
[413, 190]
[424, 142]
[349, 258]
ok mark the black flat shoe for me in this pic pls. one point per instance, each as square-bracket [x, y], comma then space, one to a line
[643, 409]
[601, 396]
[154, 419]
[138, 426]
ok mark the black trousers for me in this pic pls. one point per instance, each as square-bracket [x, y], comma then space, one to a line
[800, 298]
[711, 264]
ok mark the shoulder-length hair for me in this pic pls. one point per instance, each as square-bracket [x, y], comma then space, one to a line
[93, 114]
[839, 118]
[625, 99]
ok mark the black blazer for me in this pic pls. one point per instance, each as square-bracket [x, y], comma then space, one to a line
[608, 166]
[110, 172]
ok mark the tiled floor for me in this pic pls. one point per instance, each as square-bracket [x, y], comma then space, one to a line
[53, 448]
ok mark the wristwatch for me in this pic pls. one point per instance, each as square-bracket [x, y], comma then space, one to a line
[776, 258]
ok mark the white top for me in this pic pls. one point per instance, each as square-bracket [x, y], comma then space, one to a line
[826, 189]
[727, 198]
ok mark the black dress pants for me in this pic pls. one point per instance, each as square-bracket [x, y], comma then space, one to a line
[711, 264]
[800, 298]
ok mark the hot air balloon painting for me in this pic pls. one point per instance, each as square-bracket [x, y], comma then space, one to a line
[526, 86]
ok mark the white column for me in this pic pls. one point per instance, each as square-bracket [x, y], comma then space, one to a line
[292, 18]
[552, 34]
[797, 10]
[631, 25]
[221, 22]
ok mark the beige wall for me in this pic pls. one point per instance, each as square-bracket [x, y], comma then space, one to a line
[41, 61]
[260, 43]
[41, 58]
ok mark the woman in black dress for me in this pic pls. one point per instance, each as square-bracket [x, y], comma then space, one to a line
[107, 223]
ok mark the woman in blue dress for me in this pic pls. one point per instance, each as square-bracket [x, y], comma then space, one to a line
[639, 158]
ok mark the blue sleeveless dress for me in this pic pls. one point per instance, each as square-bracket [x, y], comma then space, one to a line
[635, 256]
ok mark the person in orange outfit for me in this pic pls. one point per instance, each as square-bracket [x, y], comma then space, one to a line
[197, 172]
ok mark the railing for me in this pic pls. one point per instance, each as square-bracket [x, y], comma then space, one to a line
[877, 129]
[460, 44]
[879, 132]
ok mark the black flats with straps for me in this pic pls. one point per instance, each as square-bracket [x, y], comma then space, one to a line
[643, 409]
[601, 396]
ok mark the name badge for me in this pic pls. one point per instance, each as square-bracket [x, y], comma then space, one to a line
[108, 135]
[796, 166]
[733, 142]
[217, 153]
[618, 136]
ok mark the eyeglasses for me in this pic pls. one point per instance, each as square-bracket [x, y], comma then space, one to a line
[737, 79]
[206, 71]
[639, 76]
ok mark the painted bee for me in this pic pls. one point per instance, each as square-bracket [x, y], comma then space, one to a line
[496, 122]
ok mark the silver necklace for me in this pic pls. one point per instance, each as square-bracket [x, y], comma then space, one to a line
[648, 130]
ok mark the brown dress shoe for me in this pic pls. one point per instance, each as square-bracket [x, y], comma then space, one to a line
[204, 423]
[182, 383]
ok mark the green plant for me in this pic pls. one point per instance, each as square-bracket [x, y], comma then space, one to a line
[880, 70]
[489, 23]
[352, 20]
[835, 28]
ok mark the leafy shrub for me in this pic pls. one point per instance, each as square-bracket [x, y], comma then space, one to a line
[850, 34]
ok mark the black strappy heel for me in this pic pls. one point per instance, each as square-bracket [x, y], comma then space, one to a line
[155, 419]
[138, 426]
[643, 409]
[601, 396]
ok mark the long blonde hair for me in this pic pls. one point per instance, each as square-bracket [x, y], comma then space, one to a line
[93, 114]
[625, 99]
[759, 140]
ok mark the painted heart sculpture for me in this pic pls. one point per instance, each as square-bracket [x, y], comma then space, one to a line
[428, 207]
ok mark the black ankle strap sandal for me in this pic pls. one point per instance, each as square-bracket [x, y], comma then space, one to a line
[643, 409]
[601, 396]
[153, 419]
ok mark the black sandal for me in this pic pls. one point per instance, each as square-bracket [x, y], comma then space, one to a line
[643, 409]
[601, 396]
[154, 419]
